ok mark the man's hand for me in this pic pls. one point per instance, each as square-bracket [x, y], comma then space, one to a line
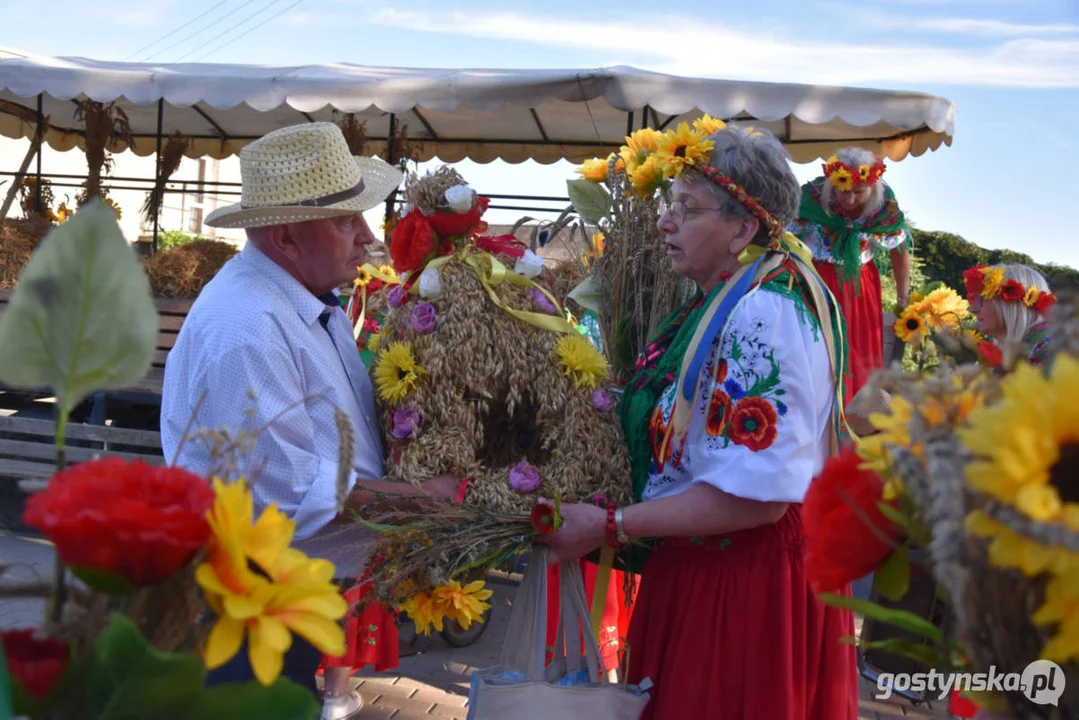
[442, 487]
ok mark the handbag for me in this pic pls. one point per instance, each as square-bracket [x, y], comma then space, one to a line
[575, 684]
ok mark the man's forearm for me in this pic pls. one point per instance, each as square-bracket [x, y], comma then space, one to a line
[365, 491]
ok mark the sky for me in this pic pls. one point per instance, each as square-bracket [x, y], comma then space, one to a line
[1010, 66]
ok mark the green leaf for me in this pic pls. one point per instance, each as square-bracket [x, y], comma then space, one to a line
[81, 318]
[892, 578]
[736, 349]
[898, 618]
[6, 709]
[592, 294]
[102, 581]
[126, 678]
[284, 700]
[918, 652]
[591, 200]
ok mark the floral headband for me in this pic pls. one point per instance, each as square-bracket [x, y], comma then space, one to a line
[846, 178]
[775, 230]
[989, 284]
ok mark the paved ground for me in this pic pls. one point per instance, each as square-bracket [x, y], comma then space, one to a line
[433, 684]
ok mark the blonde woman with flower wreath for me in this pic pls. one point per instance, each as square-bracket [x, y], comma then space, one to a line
[846, 218]
[1011, 302]
[730, 415]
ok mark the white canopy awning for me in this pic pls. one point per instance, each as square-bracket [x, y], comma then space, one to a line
[452, 114]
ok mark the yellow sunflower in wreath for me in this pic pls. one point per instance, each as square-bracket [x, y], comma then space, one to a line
[397, 373]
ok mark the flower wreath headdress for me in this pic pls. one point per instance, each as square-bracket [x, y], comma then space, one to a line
[989, 284]
[846, 178]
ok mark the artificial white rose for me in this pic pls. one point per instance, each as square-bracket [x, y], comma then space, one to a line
[430, 284]
[530, 265]
[459, 198]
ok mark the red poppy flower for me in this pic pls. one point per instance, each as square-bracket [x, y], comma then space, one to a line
[411, 242]
[721, 371]
[991, 355]
[840, 546]
[449, 225]
[753, 424]
[975, 282]
[1012, 291]
[374, 286]
[370, 325]
[1044, 302]
[136, 521]
[719, 414]
[544, 520]
[35, 662]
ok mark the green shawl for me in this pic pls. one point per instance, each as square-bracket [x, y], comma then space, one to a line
[846, 245]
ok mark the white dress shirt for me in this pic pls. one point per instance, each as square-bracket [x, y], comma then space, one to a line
[254, 350]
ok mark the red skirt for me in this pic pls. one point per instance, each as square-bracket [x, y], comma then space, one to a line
[616, 613]
[865, 321]
[371, 636]
[729, 629]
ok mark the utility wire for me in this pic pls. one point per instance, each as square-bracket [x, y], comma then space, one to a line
[246, 32]
[173, 32]
[205, 28]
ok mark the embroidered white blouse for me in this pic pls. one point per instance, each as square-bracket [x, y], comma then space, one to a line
[760, 428]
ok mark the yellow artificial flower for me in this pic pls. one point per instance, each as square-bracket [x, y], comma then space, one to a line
[972, 336]
[842, 179]
[992, 279]
[463, 605]
[389, 272]
[708, 124]
[944, 308]
[363, 277]
[682, 148]
[424, 612]
[647, 178]
[915, 297]
[582, 361]
[893, 429]
[1009, 549]
[639, 146]
[291, 594]
[1029, 299]
[594, 170]
[374, 341]
[1026, 446]
[910, 328]
[397, 373]
[863, 173]
[1061, 607]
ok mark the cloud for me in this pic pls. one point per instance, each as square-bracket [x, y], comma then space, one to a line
[687, 46]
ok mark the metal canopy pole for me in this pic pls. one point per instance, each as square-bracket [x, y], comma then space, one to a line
[157, 175]
[391, 148]
[40, 140]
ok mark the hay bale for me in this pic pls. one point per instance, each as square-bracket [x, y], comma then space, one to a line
[183, 271]
[18, 240]
[495, 393]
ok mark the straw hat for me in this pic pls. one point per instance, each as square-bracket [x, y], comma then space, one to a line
[304, 172]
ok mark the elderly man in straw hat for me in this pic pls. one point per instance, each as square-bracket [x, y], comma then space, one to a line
[267, 346]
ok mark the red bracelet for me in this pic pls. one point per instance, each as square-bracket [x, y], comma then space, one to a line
[612, 528]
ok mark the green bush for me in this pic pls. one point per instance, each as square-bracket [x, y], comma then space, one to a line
[175, 238]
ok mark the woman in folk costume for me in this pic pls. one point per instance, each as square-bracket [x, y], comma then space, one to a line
[1012, 302]
[733, 411]
[846, 218]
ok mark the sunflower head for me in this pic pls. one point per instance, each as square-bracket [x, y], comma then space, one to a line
[363, 277]
[397, 373]
[683, 148]
[648, 177]
[708, 124]
[910, 328]
[582, 361]
[594, 170]
[842, 179]
[638, 148]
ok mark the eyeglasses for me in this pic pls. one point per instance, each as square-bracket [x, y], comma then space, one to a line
[680, 211]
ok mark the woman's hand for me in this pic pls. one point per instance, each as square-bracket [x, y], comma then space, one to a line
[584, 528]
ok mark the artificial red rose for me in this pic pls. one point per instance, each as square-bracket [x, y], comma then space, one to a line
[411, 242]
[753, 424]
[507, 245]
[371, 325]
[1012, 291]
[135, 521]
[544, 519]
[719, 414]
[36, 662]
[990, 354]
[1044, 302]
[840, 544]
[449, 225]
[374, 286]
[975, 282]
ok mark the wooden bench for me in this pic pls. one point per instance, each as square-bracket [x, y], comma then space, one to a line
[171, 313]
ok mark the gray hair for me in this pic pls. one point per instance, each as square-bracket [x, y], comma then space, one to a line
[1018, 318]
[757, 161]
[855, 157]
